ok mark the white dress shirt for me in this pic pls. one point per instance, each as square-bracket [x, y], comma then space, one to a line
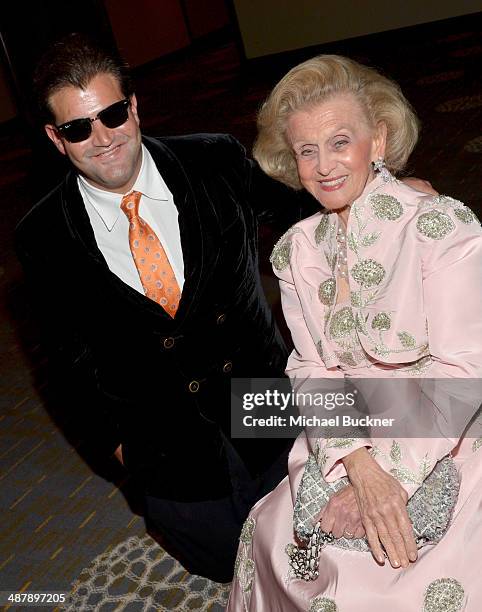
[111, 227]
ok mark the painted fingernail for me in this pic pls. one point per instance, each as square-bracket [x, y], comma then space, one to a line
[413, 556]
[396, 563]
[381, 559]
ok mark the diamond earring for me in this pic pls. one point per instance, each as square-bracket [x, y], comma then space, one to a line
[381, 169]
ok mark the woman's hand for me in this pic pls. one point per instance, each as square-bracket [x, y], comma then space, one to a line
[383, 508]
[341, 515]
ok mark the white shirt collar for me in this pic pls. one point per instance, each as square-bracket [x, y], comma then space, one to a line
[107, 204]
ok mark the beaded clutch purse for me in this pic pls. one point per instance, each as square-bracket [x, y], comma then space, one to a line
[430, 510]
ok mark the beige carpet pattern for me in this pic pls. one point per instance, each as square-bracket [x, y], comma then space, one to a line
[138, 576]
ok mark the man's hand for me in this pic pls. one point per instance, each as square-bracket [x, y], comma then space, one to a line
[383, 507]
[420, 185]
[341, 515]
[118, 454]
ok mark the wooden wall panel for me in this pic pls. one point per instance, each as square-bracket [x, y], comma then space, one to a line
[147, 29]
[205, 16]
[274, 26]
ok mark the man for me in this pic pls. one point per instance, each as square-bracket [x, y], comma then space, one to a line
[146, 373]
[144, 265]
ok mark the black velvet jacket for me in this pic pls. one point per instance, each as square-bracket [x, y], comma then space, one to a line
[160, 385]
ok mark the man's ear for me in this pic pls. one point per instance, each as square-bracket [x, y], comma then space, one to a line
[53, 134]
[133, 100]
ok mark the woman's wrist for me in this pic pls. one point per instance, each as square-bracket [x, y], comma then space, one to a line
[355, 457]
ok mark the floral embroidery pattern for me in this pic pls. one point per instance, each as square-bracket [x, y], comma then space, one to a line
[435, 224]
[342, 323]
[327, 291]
[444, 595]
[407, 340]
[396, 452]
[356, 300]
[323, 604]
[320, 453]
[476, 445]
[244, 568]
[280, 258]
[381, 321]
[248, 530]
[322, 229]
[465, 215]
[401, 472]
[368, 273]
[342, 331]
[445, 202]
[386, 207]
[246, 574]
[347, 358]
[419, 366]
[281, 254]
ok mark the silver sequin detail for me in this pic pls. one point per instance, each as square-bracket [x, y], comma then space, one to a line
[248, 530]
[311, 497]
[465, 215]
[356, 299]
[407, 340]
[381, 321]
[348, 358]
[444, 595]
[321, 229]
[418, 367]
[435, 224]
[445, 201]
[368, 273]
[396, 452]
[319, 348]
[245, 573]
[280, 257]
[476, 445]
[327, 291]
[381, 350]
[342, 323]
[386, 207]
[430, 509]
[322, 604]
[360, 324]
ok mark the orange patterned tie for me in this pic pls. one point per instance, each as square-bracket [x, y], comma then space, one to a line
[155, 271]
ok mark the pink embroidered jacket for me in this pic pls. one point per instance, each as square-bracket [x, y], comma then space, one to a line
[415, 276]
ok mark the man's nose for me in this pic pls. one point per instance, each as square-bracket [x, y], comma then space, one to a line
[102, 136]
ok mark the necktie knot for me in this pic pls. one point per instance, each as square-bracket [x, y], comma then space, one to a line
[130, 204]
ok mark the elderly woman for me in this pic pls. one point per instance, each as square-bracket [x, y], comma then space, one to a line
[383, 283]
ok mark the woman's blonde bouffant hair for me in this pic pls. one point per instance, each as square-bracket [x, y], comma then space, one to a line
[317, 80]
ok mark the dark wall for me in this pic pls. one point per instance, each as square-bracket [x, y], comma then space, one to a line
[143, 31]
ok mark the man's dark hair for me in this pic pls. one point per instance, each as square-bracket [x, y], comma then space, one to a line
[74, 61]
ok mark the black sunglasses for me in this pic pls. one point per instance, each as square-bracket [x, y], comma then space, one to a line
[78, 130]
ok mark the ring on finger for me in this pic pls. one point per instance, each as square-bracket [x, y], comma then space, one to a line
[348, 534]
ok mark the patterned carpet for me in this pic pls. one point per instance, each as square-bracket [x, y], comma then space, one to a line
[68, 525]
[138, 576]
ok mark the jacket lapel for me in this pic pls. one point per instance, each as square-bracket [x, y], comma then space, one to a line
[200, 234]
